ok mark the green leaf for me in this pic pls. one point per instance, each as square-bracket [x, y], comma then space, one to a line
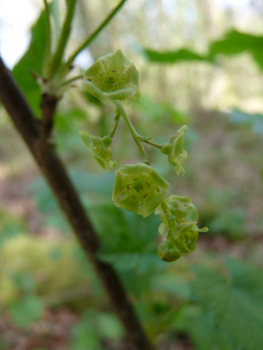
[236, 42]
[24, 281]
[171, 284]
[32, 61]
[10, 226]
[253, 121]
[175, 56]
[230, 221]
[160, 112]
[109, 326]
[236, 302]
[27, 310]
[129, 241]
[93, 327]
[84, 335]
[201, 328]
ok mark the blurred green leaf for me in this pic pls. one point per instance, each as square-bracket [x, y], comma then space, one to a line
[236, 42]
[233, 43]
[153, 111]
[230, 220]
[109, 326]
[10, 227]
[100, 183]
[44, 197]
[201, 328]
[240, 118]
[175, 56]
[171, 284]
[93, 327]
[32, 61]
[26, 310]
[236, 301]
[24, 281]
[226, 217]
[129, 241]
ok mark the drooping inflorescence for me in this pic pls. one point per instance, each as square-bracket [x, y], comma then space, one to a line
[138, 187]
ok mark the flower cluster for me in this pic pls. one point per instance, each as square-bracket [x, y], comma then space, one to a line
[139, 188]
[179, 219]
[101, 151]
[113, 77]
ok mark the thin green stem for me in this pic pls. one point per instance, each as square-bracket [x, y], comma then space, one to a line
[95, 33]
[64, 36]
[135, 135]
[46, 65]
[71, 80]
[152, 143]
[117, 118]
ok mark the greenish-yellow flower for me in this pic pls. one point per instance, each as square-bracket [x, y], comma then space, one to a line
[179, 218]
[139, 188]
[113, 77]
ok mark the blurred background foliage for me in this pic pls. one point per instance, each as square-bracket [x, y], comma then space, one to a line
[200, 64]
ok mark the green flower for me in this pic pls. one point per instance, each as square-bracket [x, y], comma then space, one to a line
[175, 150]
[179, 219]
[101, 151]
[139, 188]
[113, 77]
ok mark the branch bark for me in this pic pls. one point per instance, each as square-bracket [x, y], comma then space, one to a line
[57, 177]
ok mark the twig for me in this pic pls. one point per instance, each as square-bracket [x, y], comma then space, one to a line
[71, 80]
[117, 118]
[95, 33]
[48, 106]
[62, 187]
[152, 143]
[133, 132]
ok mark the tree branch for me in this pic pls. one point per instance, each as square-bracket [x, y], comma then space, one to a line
[48, 106]
[56, 175]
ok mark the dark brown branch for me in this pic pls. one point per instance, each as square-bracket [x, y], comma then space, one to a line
[56, 175]
[48, 106]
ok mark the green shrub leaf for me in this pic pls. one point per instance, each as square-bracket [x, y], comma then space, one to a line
[236, 301]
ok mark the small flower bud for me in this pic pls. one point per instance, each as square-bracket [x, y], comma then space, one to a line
[101, 151]
[175, 150]
[167, 252]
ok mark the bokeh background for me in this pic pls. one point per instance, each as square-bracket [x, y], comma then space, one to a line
[200, 63]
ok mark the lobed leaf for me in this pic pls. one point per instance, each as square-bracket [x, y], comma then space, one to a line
[236, 301]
